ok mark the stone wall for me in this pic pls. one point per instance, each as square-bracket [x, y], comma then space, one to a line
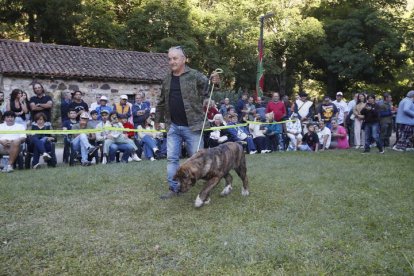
[56, 87]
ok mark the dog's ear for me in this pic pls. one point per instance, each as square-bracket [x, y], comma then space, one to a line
[182, 173]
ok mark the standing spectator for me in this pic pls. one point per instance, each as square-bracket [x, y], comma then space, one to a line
[140, 110]
[78, 104]
[65, 100]
[180, 106]
[277, 107]
[288, 106]
[327, 111]
[358, 119]
[123, 107]
[250, 109]
[41, 102]
[303, 107]
[386, 119]
[42, 143]
[10, 143]
[261, 108]
[19, 106]
[310, 141]
[97, 103]
[324, 135]
[405, 119]
[339, 136]
[342, 107]
[224, 108]
[103, 101]
[371, 120]
[2, 103]
[241, 105]
[351, 119]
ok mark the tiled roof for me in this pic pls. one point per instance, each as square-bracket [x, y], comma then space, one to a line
[61, 61]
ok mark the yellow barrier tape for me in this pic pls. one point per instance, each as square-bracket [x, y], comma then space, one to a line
[97, 130]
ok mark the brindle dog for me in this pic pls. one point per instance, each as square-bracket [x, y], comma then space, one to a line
[212, 165]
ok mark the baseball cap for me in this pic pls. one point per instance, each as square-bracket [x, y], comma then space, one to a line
[303, 94]
[103, 98]
[124, 97]
[104, 111]
[84, 115]
[339, 93]
[152, 110]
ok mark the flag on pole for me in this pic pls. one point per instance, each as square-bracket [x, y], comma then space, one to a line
[260, 75]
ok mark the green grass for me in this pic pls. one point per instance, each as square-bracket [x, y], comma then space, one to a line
[336, 212]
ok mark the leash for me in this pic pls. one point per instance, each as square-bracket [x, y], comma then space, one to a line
[217, 71]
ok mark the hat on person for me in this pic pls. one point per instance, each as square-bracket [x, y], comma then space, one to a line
[123, 97]
[104, 111]
[410, 94]
[103, 98]
[303, 94]
[152, 110]
[339, 93]
[84, 115]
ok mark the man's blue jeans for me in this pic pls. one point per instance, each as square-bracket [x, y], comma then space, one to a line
[81, 143]
[41, 146]
[175, 137]
[148, 144]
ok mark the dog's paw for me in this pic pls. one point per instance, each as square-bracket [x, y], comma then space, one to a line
[227, 190]
[245, 192]
[198, 202]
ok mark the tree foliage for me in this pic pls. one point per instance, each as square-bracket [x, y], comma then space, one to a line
[341, 44]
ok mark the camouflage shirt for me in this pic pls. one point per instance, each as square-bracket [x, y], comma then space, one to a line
[194, 89]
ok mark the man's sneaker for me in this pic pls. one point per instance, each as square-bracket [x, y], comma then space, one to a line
[46, 156]
[7, 169]
[169, 195]
[253, 152]
[152, 159]
[136, 158]
[382, 151]
[104, 160]
[396, 149]
[92, 150]
[36, 166]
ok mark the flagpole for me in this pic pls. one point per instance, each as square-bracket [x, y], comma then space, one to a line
[260, 73]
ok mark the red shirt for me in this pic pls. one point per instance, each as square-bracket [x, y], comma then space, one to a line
[211, 112]
[130, 126]
[278, 108]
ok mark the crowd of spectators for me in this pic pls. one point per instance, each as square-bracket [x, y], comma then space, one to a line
[262, 127]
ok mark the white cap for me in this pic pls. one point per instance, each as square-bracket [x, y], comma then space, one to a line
[152, 110]
[84, 115]
[339, 93]
[124, 97]
[103, 98]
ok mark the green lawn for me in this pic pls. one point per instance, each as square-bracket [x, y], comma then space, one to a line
[336, 212]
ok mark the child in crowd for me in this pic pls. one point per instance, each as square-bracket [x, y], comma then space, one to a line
[310, 141]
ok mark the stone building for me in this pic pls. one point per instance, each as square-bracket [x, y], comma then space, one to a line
[61, 68]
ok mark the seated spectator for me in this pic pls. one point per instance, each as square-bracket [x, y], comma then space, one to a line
[239, 133]
[261, 108]
[148, 139]
[339, 136]
[126, 149]
[258, 134]
[217, 136]
[117, 137]
[42, 143]
[81, 142]
[67, 138]
[10, 143]
[294, 132]
[212, 110]
[126, 124]
[140, 110]
[310, 141]
[250, 109]
[324, 135]
[102, 136]
[274, 132]
[161, 137]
